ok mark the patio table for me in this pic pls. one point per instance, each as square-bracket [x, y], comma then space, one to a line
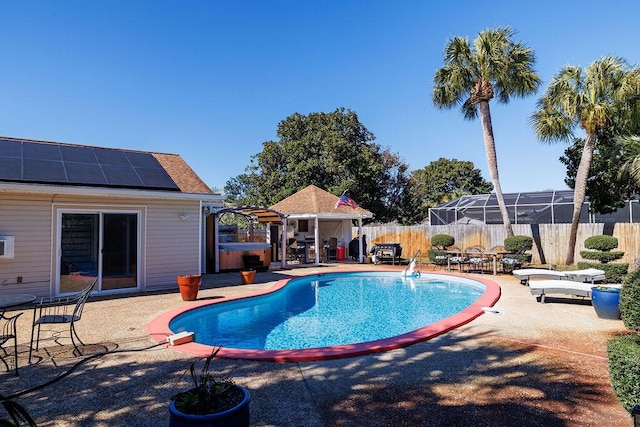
[14, 300]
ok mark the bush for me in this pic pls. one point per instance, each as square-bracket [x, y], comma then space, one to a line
[624, 368]
[518, 243]
[603, 257]
[437, 256]
[601, 243]
[630, 302]
[614, 272]
[442, 241]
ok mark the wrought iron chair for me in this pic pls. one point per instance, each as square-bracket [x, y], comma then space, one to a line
[476, 258]
[331, 250]
[60, 310]
[8, 332]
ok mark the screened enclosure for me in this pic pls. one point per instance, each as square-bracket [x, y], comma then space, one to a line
[543, 207]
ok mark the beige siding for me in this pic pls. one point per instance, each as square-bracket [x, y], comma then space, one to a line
[169, 245]
[172, 244]
[28, 219]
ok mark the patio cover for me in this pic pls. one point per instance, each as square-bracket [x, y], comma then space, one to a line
[317, 204]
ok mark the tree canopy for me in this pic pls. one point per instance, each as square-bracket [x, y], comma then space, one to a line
[473, 74]
[602, 100]
[444, 180]
[333, 151]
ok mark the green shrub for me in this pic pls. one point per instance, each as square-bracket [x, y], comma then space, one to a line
[442, 241]
[630, 302]
[603, 257]
[437, 256]
[518, 243]
[614, 272]
[601, 243]
[624, 368]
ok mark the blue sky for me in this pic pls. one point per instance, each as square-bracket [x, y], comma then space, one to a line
[210, 80]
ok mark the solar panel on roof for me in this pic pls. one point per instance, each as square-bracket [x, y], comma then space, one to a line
[76, 165]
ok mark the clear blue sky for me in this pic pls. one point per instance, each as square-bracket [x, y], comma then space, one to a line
[210, 80]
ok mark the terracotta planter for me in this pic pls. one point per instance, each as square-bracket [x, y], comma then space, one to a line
[189, 286]
[247, 276]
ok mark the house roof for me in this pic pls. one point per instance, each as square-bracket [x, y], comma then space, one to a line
[34, 162]
[314, 200]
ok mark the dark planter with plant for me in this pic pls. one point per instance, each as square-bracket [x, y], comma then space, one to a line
[213, 401]
[600, 248]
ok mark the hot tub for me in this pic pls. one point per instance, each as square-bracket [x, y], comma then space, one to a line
[231, 254]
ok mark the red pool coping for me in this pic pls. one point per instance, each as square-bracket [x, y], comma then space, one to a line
[158, 330]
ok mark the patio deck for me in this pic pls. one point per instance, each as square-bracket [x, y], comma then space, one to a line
[530, 364]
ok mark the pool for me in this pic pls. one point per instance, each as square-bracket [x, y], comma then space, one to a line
[324, 316]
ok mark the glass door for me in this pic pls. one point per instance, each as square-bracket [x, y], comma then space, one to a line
[83, 235]
[120, 251]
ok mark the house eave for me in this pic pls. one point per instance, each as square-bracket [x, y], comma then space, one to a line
[19, 188]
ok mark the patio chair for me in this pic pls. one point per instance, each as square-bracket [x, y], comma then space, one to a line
[8, 332]
[458, 258]
[60, 310]
[331, 250]
[513, 261]
[476, 258]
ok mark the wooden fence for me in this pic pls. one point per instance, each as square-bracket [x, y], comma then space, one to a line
[549, 247]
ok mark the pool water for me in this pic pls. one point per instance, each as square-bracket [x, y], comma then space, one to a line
[330, 310]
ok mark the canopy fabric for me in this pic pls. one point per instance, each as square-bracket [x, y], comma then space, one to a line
[263, 215]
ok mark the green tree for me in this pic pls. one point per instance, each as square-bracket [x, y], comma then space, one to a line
[444, 180]
[495, 66]
[333, 151]
[607, 186]
[600, 98]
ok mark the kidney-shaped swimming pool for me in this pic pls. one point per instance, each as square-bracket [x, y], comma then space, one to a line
[331, 315]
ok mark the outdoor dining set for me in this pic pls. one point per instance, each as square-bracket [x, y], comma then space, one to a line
[46, 310]
[478, 259]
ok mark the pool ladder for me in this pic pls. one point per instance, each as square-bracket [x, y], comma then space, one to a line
[411, 268]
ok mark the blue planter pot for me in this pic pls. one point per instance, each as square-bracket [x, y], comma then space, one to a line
[238, 416]
[606, 302]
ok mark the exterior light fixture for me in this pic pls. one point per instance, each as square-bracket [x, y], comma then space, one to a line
[184, 216]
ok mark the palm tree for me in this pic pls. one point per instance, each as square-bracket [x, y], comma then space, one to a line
[602, 97]
[473, 75]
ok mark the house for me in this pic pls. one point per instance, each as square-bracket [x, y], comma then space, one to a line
[70, 213]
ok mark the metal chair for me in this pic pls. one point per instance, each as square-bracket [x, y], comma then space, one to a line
[332, 249]
[8, 332]
[60, 310]
[476, 258]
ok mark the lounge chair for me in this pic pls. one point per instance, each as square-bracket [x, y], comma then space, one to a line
[537, 273]
[540, 288]
[591, 275]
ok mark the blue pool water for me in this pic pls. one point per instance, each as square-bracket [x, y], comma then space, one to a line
[330, 310]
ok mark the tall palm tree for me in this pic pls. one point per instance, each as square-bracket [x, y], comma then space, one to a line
[473, 74]
[601, 97]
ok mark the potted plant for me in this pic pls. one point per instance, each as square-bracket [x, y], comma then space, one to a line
[189, 285]
[606, 301]
[212, 401]
[247, 275]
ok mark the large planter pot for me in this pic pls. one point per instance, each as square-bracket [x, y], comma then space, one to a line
[238, 416]
[606, 301]
[247, 276]
[189, 286]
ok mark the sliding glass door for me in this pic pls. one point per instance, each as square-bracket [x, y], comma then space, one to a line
[98, 244]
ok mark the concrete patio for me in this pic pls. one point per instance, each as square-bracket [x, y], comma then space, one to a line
[529, 364]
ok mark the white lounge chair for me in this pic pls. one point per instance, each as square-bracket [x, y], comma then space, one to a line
[540, 288]
[591, 275]
[525, 274]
